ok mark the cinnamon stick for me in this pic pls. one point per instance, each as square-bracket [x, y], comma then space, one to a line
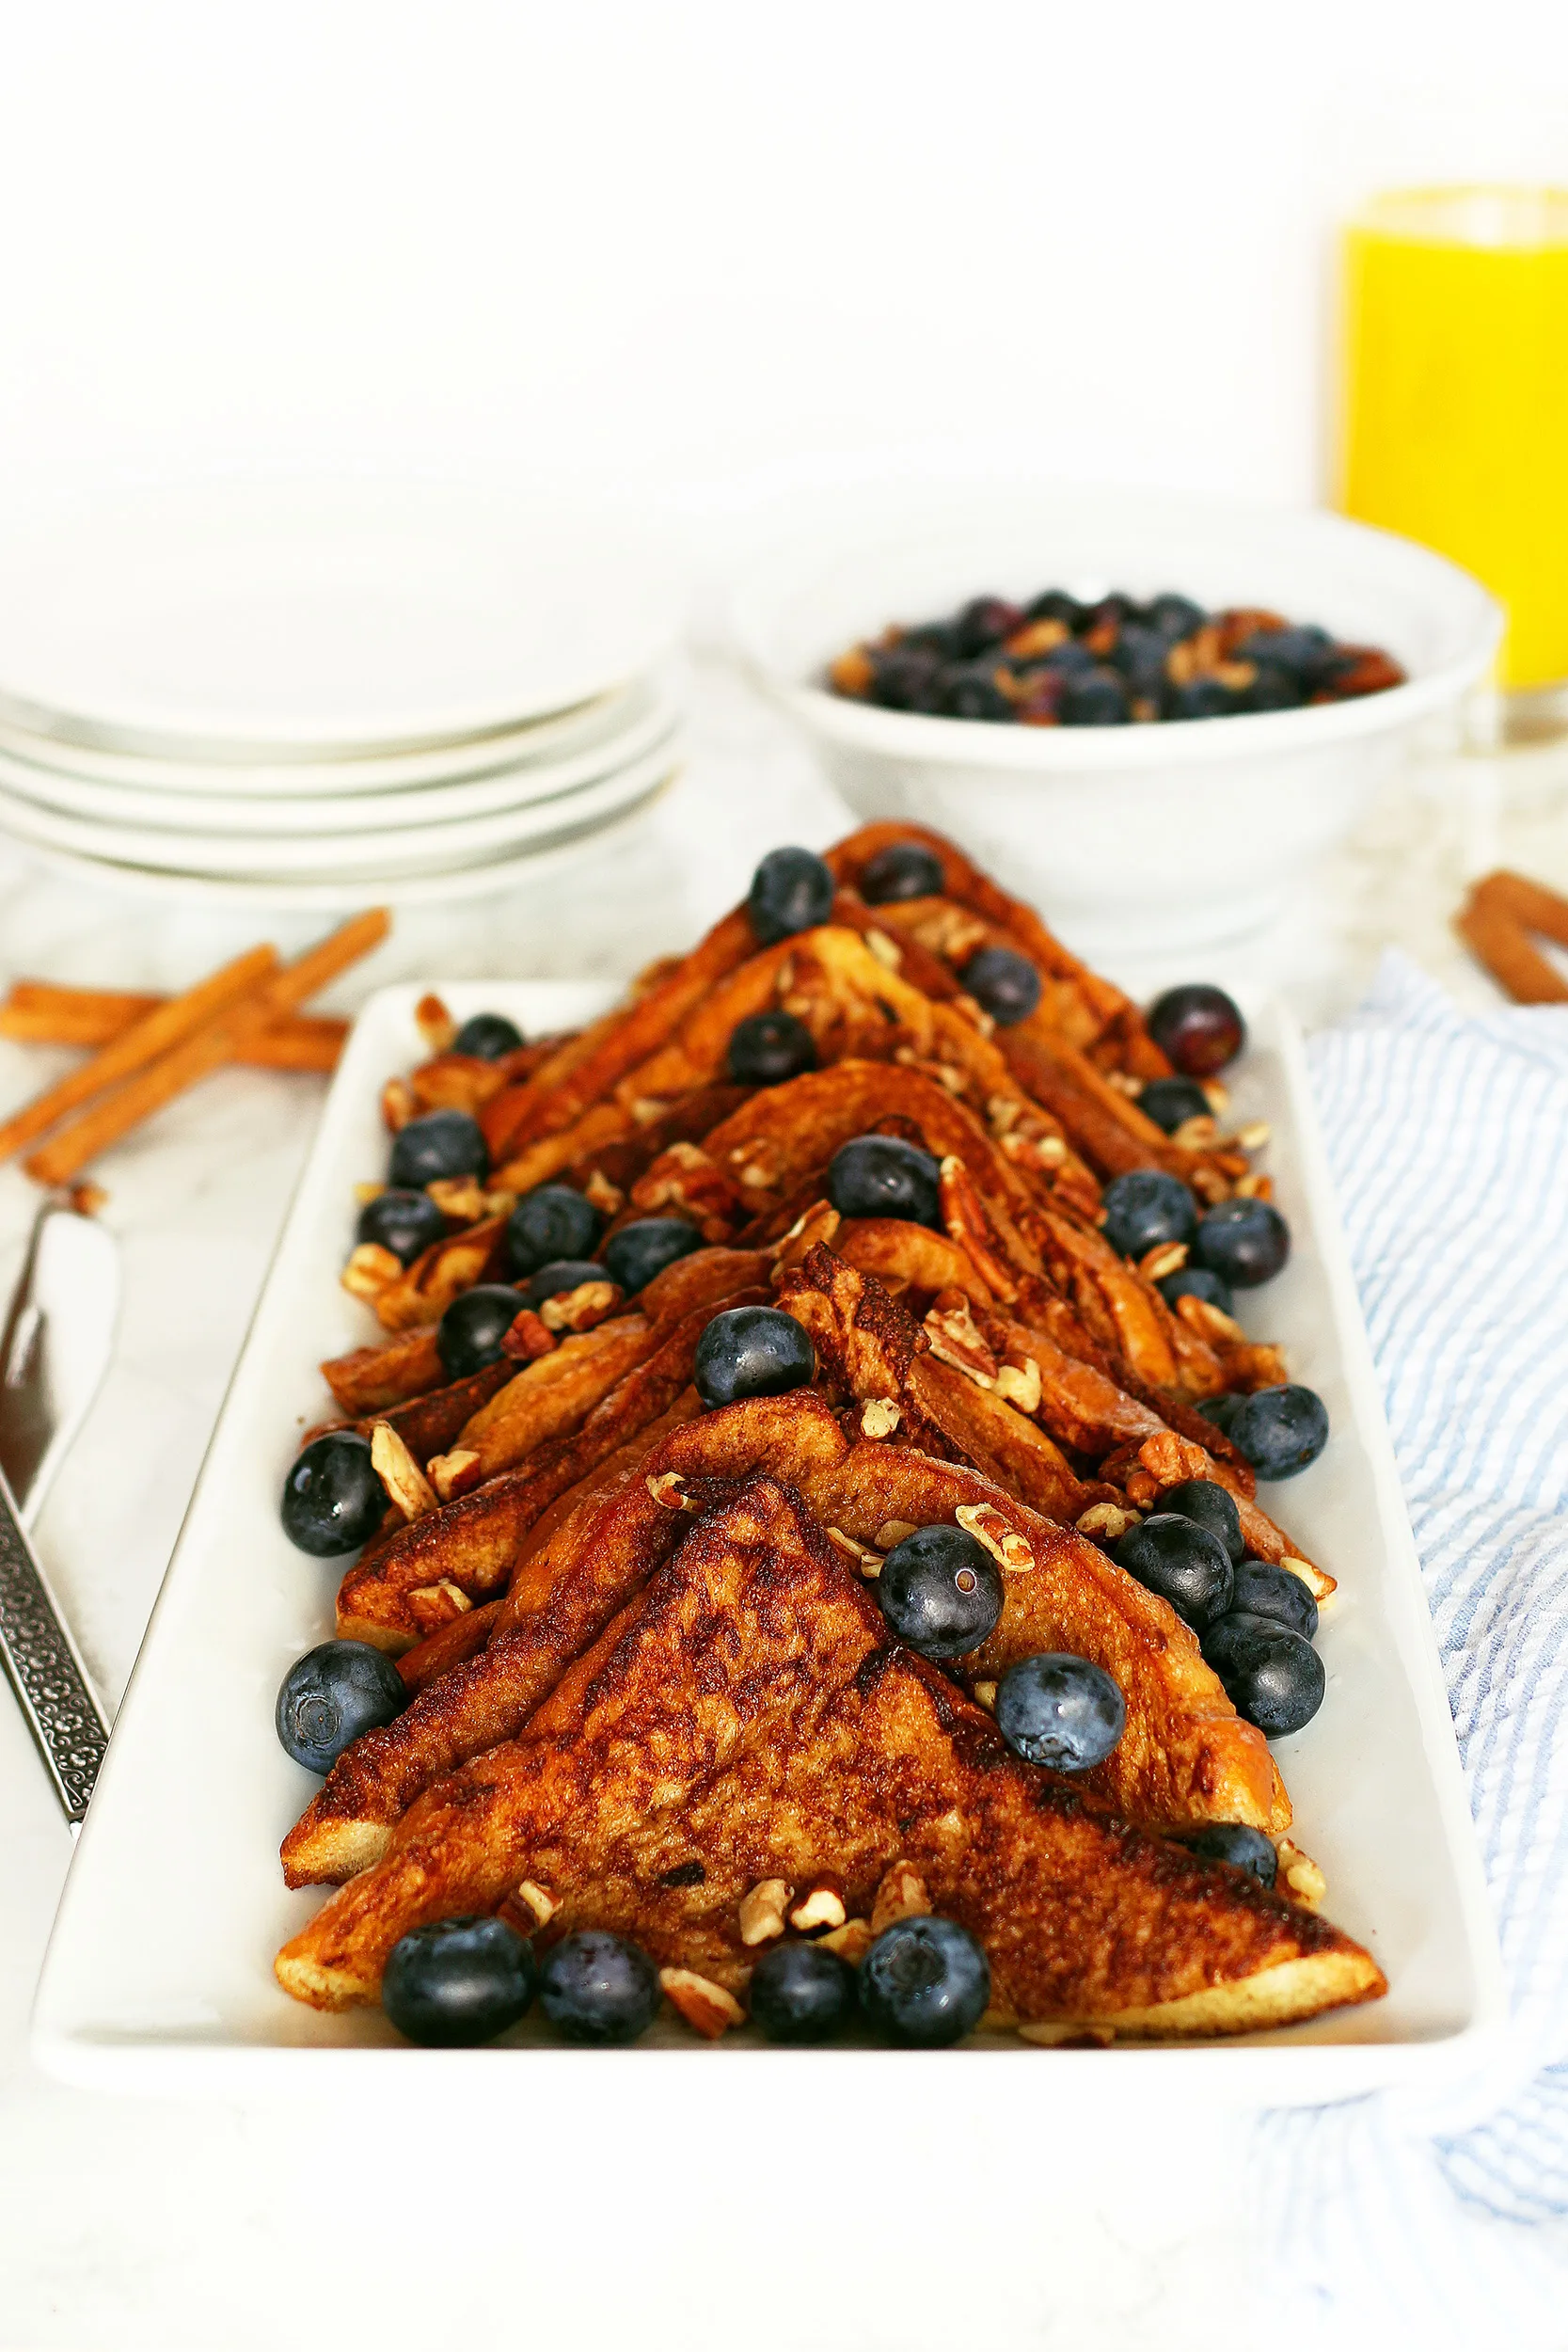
[144, 1042]
[47, 1012]
[223, 1038]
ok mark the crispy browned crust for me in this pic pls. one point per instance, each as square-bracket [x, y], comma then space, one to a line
[450, 1645]
[563, 1593]
[369, 1379]
[472, 1544]
[747, 1708]
[427, 1289]
[1189, 1758]
[430, 1423]
[1085, 1006]
[562, 1088]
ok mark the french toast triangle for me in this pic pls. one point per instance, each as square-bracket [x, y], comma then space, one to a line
[1187, 1757]
[744, 1717]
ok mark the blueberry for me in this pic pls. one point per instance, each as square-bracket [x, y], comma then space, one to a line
[332, 1694]
[932, 636]
[1197, 1027]
[1146, 1207]
[1245, 1848]
[1183, 1563]
[972, 693]
[1196, 1281]
[941, 1591]
[1175, 616]
[1281, 1431]
[443, 1143]
[924, 1982]
[1139, 655]
[984, 621]
[640, 1251]
[560, 1276]
[1056, 605]
[1221, 1410]
[458, 1981]
[1244, 1242]
[1169, 1100]
[470, 1334]
[1265, 1590]
[1060, 1711]
[332, 1498]
[791, 891]
[1070, 659]
[487, 1035]
[402, 1222]
[1208, 1505]
[905, 869]
[752, 1351]
[1271, 1677]
[768, 1047]
[885, 1176]
[907, 677]
[1097, 699]
[1003, 983]
[1307, 654]
[1273, 690]
[1201, 698]
[550, 1222]
[800, 1993]
[595, 1987]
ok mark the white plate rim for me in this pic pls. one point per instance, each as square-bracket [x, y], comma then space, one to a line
[260, 821]
[377, 854]
[1284, 2069]
[486, 878]
[600, 718]
[596, 584]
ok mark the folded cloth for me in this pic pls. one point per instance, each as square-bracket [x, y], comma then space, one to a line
[1447, 1137]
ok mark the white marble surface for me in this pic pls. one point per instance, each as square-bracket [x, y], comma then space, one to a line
[130, 2224]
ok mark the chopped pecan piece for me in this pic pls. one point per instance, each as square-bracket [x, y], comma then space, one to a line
[454, 1473]
[435, 1024]
[397, 1103]
[406, 1483]
[955, 1340]
[525, 1338]
[985, 1522]
[705, 2006]
[369, 1270]
[762, 1912]
[901, 1896]
[821, 1905]
[851, 1942]
[582, 1309]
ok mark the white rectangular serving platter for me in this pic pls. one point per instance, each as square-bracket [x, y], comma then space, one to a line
[159, 1979]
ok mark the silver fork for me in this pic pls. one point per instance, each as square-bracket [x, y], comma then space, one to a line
[53, 1348]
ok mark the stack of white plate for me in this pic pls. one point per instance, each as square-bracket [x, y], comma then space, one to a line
[315, 694]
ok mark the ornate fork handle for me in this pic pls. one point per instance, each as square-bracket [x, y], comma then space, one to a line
[40, 1657]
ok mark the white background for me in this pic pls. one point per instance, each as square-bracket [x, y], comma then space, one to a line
[655, 245]
[683, 242]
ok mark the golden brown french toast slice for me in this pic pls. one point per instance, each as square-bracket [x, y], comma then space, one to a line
[1187, 1757]
[748, 1709]
[1082, 1004]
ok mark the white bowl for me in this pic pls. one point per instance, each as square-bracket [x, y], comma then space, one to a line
[1164, 837]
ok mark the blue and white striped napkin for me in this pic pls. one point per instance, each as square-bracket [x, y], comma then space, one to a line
[1447, 1137]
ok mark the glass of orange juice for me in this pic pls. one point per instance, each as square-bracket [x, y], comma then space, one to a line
[1455, 422]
